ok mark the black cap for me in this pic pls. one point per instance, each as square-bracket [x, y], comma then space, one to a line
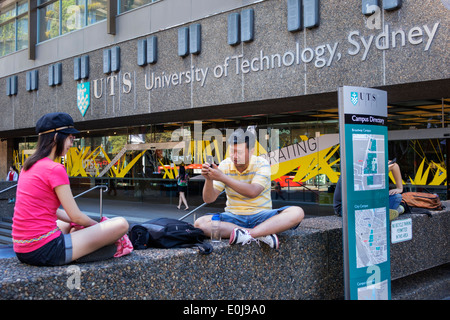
[56, 122]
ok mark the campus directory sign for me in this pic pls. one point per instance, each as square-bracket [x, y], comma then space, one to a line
[365, 193]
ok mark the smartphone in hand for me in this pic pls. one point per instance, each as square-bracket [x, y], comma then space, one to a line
[392, 161]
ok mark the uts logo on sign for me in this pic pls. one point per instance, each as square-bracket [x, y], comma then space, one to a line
[83, 97]
[354, 98]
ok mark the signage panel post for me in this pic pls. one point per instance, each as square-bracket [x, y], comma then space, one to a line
[365, 193]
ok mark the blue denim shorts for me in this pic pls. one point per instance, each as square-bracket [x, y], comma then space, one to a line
[55, 253]
[252, 220]
[394, 201]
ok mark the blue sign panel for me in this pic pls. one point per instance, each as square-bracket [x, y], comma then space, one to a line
[183, 41]
[234, 35]
[365, 193]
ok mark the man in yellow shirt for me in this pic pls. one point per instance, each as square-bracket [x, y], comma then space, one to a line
[246, 179]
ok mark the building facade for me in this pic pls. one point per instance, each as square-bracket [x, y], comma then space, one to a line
[139, 76]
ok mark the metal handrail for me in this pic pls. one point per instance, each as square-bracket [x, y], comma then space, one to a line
[100, 186]
[95, 187]
[202, 205]
[6, 189]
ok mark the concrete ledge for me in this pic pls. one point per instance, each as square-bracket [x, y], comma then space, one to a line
[308, 265]
[428, 248]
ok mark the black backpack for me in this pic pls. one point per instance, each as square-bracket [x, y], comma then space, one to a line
[168, 233]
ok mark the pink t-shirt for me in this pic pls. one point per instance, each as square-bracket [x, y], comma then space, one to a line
[36, 205]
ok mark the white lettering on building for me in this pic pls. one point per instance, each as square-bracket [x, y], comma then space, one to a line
[320, 56]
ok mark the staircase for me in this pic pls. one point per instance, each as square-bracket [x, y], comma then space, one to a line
[7, 191]
[5, 231]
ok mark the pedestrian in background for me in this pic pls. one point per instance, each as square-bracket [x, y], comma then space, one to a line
[12, 175]
[182, 181]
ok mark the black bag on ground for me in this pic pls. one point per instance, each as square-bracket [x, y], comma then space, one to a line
[168, 233]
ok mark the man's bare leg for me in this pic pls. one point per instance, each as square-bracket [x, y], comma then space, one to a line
[204, 223]
[286, 219]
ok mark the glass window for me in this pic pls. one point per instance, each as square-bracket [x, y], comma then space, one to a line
[22, 33]
[8, 14]
[22, 7]
[49, 21]
[97, 10]
[73, 15]
[126, 5]
[148, 173]
[7, 38]
[60, 17]
[14, 28]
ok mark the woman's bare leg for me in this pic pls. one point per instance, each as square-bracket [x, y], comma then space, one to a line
[90, 239]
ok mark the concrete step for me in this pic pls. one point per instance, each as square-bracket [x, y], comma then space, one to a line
[431, 284]
[6, 219]
[5, 240]
[5, 231]
[5, 225]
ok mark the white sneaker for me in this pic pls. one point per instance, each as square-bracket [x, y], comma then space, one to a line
[240, 236]
[271, 240]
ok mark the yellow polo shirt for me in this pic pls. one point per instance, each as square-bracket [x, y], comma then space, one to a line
[258, 171]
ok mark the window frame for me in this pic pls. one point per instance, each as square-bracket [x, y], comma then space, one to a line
[42, 4]
[15, 18]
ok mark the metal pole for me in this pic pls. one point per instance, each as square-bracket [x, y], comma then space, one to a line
[101, 196]
[188, 214]
[204, 204]
[101, 203]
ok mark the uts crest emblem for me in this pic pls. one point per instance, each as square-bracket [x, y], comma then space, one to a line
[83, 97]
[354, 97]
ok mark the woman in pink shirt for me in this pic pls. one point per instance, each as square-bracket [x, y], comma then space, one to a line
[40, 229]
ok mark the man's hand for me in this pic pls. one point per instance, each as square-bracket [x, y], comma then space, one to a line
[209, 193]
[395, 191]
[212, 172]
[205, 171]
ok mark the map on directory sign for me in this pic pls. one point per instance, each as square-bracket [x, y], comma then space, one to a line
[369, 170]
[379, 291]
[371, 237]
